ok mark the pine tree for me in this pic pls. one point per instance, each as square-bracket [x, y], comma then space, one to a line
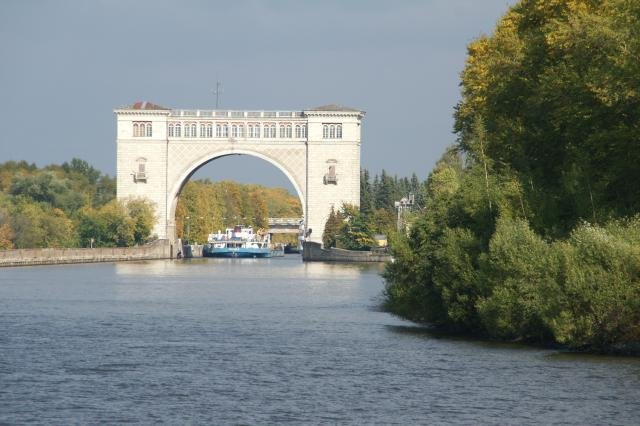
[366, 193]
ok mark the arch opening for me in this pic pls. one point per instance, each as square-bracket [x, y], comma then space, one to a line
[175, 226]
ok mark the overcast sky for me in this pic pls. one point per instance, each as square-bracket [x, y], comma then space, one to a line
[65, 65]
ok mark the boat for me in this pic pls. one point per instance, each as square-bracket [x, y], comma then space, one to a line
[239, 241]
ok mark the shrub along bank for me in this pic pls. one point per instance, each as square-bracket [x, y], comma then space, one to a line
[531, 229]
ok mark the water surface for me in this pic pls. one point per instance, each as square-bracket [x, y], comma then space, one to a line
[269, 341]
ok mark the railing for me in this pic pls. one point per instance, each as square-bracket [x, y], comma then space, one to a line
[234, 114]
[285, 221]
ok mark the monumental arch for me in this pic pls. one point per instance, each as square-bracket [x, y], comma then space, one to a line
[318, 149]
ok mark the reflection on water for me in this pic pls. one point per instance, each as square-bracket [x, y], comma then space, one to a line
[269, 341]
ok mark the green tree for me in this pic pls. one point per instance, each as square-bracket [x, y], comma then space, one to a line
[366, 193]
[141, 212]
[39, 225]
[46, 187]
[355, 233]
[82, 168]
[332, 229]
[558, 93]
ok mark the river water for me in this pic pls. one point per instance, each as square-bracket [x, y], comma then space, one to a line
[269, 341]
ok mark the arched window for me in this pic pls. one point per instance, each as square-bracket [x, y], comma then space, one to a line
[135, 129]
[194, 130]
[289, 131]
[241, 130]
[256, 131]
[273, 131]
[203, 130]
[332, 131]
[209, 130]
[234, 131]
[304, 131]
[298, 131]
[282, 131]
[171, 134]
[250, 130]
[339, 131]
[325, 131]
[225, 130]
[187, 130]
[178, 130]
[218, 131]
[149, 130]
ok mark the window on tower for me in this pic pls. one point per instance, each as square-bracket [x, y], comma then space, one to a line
[142, 129]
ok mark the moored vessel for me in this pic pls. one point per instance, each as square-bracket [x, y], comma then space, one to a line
[237, 242]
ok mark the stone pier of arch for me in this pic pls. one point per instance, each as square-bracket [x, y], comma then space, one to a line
[154, 162]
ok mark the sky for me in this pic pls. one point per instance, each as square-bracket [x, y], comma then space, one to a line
[65, 65]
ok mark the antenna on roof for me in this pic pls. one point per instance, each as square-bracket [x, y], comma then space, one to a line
[217, 92]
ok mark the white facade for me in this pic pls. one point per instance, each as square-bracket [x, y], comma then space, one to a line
[317, 149]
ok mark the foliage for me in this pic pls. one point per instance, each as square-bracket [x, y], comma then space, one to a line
[41, 225]
[205, 207]
[355, 233]
[558, 92]
[332, 229]
[548, 140]
[43, 207]
[117, 223]
[46, 187]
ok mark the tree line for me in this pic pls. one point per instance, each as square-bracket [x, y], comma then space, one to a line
[68, 205]
[205, 207]
[75, 205]
[530, 229]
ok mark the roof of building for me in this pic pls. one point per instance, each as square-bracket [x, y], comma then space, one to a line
[146, 106]
[333, 107]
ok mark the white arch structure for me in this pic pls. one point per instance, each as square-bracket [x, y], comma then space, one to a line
[302, 151]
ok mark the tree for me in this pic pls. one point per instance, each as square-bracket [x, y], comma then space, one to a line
[109, 226]
[332, 229]
[385, 193]
[355, 233]
[82, 168]
[6, 231]
[557, 91]
[366, 193]
[39, 225]
[46, 187]
[141, 212]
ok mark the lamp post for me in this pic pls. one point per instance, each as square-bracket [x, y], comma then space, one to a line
[188, 228]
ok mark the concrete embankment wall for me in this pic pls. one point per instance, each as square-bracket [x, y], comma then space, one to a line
[314, 252]
[191, 250]
[160, 249]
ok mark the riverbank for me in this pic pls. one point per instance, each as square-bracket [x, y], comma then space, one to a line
[312, 252]
[159, 249]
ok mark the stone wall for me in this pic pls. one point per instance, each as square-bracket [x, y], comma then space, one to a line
[160, 249]
[314, 252]
[190, 250]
